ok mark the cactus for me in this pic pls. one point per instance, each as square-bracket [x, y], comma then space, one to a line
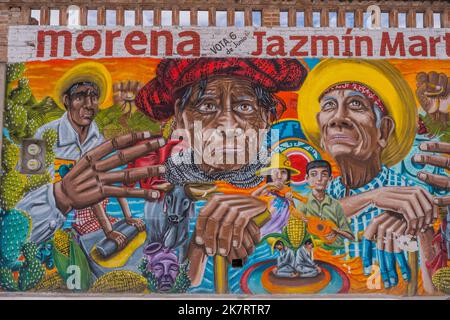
[152, 283]
[10, 155]
[22, 93]
[12, 185]
[15, 226]
[50, 137]
[21, 121]
[33, 125]
[23, 114]
[182, 281]
[14, 71]
[15, 120]
[32, 270]
[37, 180]
[119, 281]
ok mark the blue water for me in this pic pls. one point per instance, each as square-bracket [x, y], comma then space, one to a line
[262, 252]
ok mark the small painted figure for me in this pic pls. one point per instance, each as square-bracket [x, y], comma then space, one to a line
[304, 261]
[286, 260]
[278, 179]
[163, 263]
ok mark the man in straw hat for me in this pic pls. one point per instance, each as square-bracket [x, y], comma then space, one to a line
[81, 91]
[363, 114]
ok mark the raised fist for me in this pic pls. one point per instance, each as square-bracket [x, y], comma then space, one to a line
[124, 94]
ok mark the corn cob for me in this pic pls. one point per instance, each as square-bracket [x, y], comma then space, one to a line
[441, 280]
[61, 242]
[51, 282]
[119, 281]
[296, 231]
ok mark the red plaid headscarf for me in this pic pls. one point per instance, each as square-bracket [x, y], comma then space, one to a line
[157, 97]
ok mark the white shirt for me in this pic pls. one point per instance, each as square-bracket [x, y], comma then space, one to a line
[40, 204]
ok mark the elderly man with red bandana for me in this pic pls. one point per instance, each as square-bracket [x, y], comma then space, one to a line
[364, 115]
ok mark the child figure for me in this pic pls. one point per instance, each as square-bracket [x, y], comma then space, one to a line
[321, 205]
[278, 188]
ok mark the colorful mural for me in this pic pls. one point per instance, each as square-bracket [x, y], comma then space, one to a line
[237, 175]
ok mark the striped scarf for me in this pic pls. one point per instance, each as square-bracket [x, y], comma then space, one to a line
[181, 169]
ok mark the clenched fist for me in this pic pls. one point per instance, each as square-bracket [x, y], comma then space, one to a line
[433, 93]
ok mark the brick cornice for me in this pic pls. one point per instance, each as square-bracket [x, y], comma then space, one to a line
[224, 4]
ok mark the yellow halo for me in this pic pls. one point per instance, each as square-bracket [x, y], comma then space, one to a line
[85, 72]
[382, 78]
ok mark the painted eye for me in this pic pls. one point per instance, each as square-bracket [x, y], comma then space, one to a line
[245, 108]
[186, 203]
[168, 200]
[207, 108]
[356, 104]
[328, 105]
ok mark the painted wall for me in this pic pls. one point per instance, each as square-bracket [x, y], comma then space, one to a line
[299, 169]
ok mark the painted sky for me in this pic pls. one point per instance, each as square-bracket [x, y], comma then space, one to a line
[43, 75]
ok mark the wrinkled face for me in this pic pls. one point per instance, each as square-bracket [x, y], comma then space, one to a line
[82, 105]
[318, 178]
[165, 268]
[230, 121]
[347, 125]
[279, 176]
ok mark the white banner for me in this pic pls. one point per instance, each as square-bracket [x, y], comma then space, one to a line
[27, 43]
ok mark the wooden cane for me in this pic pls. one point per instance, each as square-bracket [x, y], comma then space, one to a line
[221, 264]
[413, 261]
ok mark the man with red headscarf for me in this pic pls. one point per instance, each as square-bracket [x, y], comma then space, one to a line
[207, 100]
[228, 99]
